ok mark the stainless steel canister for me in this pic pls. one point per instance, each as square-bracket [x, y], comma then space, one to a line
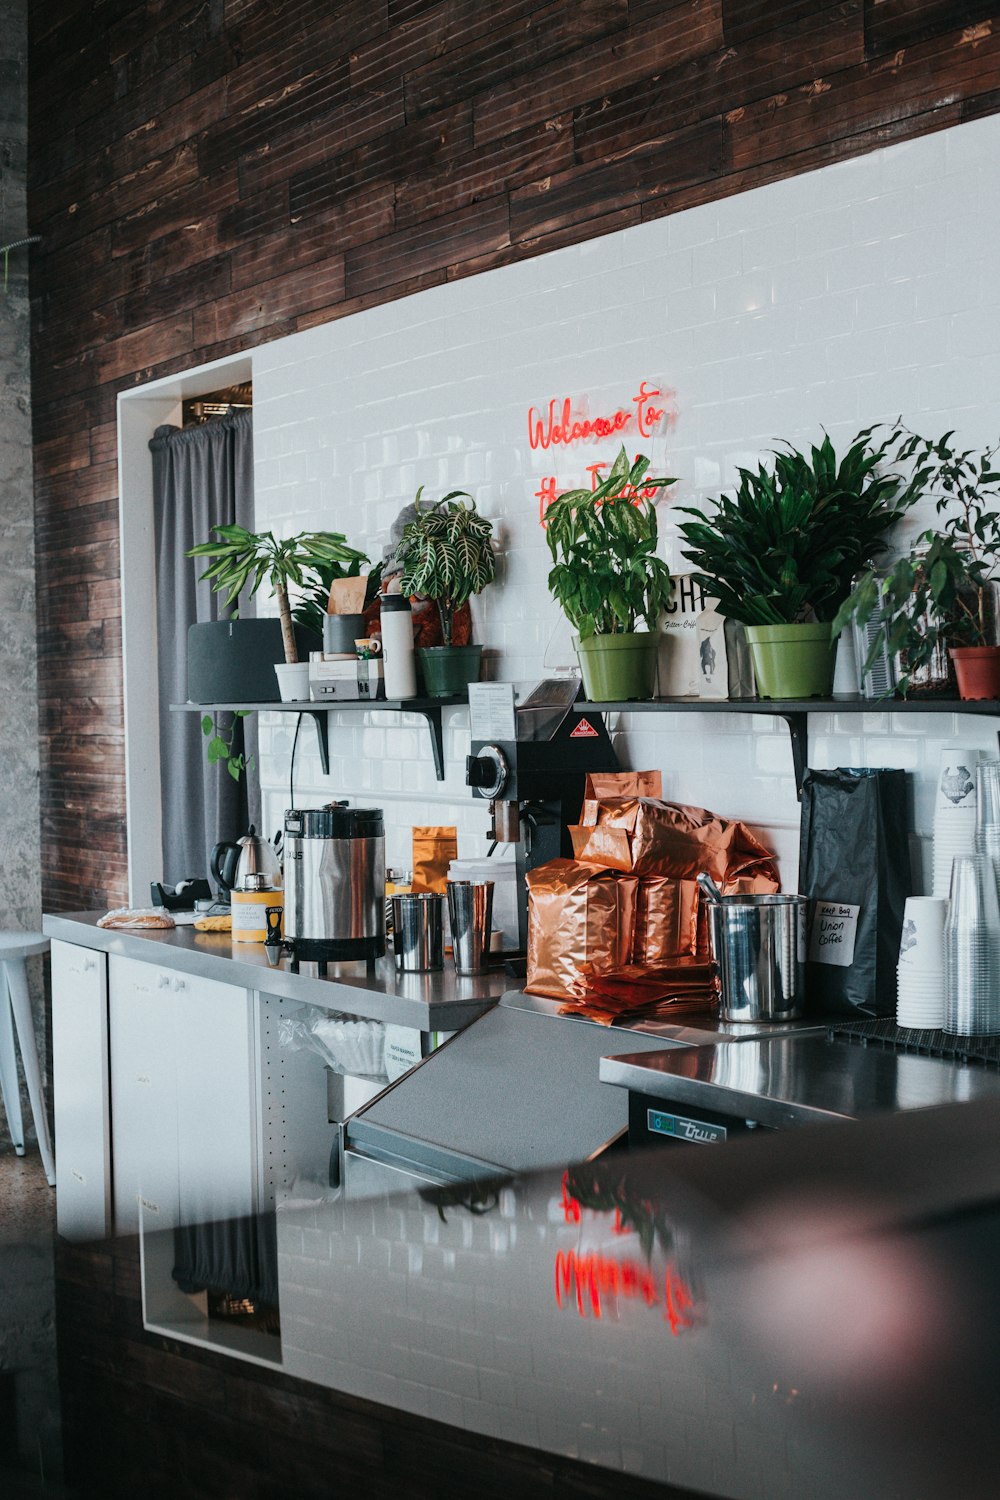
[759, 945]
[335, 882]
[418, 931]
[470, 910]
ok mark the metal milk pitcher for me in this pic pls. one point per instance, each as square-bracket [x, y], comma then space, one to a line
[759, 946]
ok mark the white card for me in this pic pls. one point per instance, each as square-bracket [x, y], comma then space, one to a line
[834, 933]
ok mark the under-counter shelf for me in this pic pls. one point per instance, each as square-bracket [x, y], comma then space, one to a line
[429, 709]
[796, 711]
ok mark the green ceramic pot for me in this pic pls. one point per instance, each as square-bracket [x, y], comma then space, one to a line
[792, 661]
[618, 668]
[448, 670]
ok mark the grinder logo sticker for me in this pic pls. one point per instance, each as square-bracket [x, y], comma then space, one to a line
[584, 731]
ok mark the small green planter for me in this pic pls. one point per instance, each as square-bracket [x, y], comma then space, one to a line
[792, 661]
[448, 670]
[618, 667]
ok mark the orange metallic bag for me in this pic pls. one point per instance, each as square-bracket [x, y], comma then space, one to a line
[433, 851]
[580, 920]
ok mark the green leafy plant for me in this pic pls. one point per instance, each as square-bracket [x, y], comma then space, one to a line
[607, 576]
[935, 595]
[447, 555]
[785, 548]
[246, 559]
[310, 610]
[220, 744]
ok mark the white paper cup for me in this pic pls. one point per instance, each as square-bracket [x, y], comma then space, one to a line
[956, 783]
[921, 943]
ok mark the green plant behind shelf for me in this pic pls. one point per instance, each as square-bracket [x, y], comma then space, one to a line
[785, 548]
[220, 745]
[936, 594]
[311, 611]
[244, 560]
[606, 575]
[447, 555]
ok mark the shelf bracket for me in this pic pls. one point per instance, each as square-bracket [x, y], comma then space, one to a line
[798, 730]
[433, 718]
[320, 717]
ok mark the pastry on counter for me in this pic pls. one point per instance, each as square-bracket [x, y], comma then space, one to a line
[143, 917]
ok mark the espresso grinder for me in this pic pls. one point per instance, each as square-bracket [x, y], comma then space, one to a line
[535, 782]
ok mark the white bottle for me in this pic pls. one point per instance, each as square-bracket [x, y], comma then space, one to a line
[399, 664]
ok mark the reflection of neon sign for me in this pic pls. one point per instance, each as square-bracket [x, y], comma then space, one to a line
[573, 1210]
[561, 427]
[589, 1280]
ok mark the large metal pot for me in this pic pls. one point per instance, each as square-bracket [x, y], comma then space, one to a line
[759, 945]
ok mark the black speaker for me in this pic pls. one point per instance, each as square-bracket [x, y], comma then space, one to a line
[232, 661]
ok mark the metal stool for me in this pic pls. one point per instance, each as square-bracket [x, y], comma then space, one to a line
[15, 947]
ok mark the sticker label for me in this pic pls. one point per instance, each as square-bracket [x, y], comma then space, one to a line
[834, 933]
[584, 731]
[698, 1132]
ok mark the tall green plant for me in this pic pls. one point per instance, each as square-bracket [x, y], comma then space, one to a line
[244, 560]
[607, 576]
[446, 555]
[785, 548]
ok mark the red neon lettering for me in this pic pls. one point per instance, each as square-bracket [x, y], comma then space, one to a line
[545, 494]
[562, 428]
[679, 1304]
[570, 1206]
[648, 415]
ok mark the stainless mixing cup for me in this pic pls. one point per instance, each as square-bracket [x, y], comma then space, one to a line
[759, 945]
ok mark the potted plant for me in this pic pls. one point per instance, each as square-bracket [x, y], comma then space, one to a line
[607, 578]
[781, 555]
[244, 560]
[447, 556]
[937, 599]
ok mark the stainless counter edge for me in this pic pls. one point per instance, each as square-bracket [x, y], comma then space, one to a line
[437, 1002]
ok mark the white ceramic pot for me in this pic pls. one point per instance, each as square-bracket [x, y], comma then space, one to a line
[293, 681]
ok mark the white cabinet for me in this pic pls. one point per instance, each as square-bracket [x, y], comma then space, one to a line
[184, 1133]
[80, 1096]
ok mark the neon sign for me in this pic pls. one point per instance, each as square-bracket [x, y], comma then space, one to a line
[549, 491]
[591, 1280]
[560, 426]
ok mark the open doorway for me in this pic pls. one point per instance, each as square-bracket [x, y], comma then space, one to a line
[140, 413]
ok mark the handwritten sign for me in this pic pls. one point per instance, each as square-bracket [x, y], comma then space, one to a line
[834, 932]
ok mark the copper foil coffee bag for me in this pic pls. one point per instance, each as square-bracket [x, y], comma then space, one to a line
[669, 838]
[666, 920]
[578, 917]
[434, 848]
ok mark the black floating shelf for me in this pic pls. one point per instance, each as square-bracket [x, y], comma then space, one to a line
[429, 709]
[796, 711]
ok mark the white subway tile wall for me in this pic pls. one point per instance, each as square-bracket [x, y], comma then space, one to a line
[831, 300]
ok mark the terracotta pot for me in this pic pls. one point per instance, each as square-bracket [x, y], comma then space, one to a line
[978, 671]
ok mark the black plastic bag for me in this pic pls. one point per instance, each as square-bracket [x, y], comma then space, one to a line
[854, 865]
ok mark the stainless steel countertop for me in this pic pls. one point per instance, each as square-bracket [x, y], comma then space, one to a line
[795, 1080]
[428, 1002]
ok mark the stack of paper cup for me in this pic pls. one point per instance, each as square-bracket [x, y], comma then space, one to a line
[920, 972]
[954, 811]
[988, 812]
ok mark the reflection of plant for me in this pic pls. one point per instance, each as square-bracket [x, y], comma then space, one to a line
[220, 745]
[604, 1188]
[785, 548]
[607, 576]
[446, 555]
[244, 559]
[478, 1197]
[935, 595]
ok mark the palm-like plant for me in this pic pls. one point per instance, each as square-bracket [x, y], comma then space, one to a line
[607, 576]
[245, 559]
[785, 548]
[446, 555]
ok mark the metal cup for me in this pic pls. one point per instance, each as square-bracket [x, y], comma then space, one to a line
[470, 909]
[418, 931]
[759, 945]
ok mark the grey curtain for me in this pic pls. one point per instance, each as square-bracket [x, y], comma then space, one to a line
[202, 477]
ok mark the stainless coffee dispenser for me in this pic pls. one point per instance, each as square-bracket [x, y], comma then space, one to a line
[334, 883]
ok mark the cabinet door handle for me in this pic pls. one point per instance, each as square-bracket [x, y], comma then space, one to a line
[163, 982]
[180, 984]
[89, 964]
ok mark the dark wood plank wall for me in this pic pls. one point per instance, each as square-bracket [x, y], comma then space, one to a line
[213, 174]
